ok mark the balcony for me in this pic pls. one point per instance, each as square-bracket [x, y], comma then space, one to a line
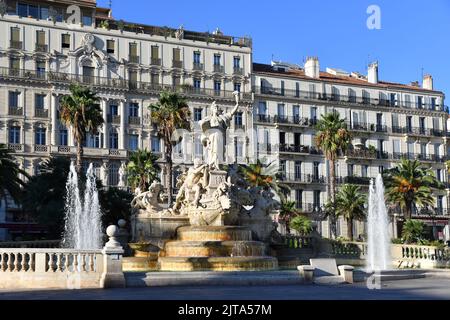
[218, 68]
[40, 148]
[134, 59]
[16, 147]
[155, 62]
[361, 154]
[114, 83]
[364, 181]
[41, 48]
[177, 64]
[343, 99]
[16, 45]
[40, 113]
[197, 66]
[134, 120]
[114, 119]
[238, 71]
[285, 148]
[15, 111]
[295, 177]
[239, 127]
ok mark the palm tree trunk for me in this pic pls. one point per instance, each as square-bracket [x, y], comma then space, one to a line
[333, 219]
[408, 211]
[79, 156]
[350, 229]
[169, 166]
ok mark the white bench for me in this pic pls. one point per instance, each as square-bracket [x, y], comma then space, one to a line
[322, 268]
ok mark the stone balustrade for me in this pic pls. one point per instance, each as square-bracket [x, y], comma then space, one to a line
[63, 268]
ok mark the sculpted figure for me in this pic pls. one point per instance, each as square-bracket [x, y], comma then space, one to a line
[196, 181]
[214, 129]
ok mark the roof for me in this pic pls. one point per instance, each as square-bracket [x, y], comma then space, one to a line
[338, 79]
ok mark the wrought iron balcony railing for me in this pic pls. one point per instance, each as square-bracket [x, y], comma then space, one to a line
[15, 111]
[155, 62]
[18, 45]
[197, 66]
[218, 68]
[134, 120]
[41, 47]
[177, 64]
[134, 59]
[40, 113]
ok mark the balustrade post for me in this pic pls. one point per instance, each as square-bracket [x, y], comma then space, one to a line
[112, 276]
[40, 262]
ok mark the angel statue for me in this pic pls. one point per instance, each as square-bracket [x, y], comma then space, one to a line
[214, 129]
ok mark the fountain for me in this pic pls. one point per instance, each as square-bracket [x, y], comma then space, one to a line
[83, 229]
[377, 233]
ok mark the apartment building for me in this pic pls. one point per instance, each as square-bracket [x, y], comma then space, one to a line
[48, 45]
[388, 122]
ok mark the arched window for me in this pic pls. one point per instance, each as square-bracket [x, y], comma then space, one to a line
[113, 176]
[113, 139]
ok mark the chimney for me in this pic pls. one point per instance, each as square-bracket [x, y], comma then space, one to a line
[427, 82]
[372, 75]
[312, 68]
[415, 84]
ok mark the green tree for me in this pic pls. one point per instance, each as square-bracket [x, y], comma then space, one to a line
[409, 185]
[332, 138]
[265, 176]
[288, 211]
[80, 111]
[116, 205]
[44, 195]
[302, 225]
[413, 231]
[10, 182]
[170, 113]
[350, 205]
[142, 169]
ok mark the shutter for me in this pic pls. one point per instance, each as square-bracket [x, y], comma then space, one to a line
[176, 54]
[155, 52]
[15, 34]
[40, 37]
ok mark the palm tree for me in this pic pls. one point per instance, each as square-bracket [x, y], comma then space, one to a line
[350, 205]
[332, 138]
[80, 111]
[413, 231]
[10, 182]
[409, 186]
[265, 176]
[170, 113]
[142, 169]
[302, 225]
[288, 210]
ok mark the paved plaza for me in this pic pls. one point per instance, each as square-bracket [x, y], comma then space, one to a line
[419, 289]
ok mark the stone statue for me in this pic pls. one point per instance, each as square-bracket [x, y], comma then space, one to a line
[214, 129]
[122, 175]
[151, 200]
[194, 181]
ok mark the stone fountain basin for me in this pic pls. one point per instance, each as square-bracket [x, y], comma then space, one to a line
[211, 233]
[361, 275]
[214, 248]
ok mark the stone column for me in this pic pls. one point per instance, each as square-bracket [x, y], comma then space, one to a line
[123, 113]
[104, 105]
[54, 120]
[112, 276]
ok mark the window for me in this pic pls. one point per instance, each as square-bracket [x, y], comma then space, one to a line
[110, 46]
[316, 200]
[133, 142]
[299, 199]
[433, 103]
[15, 38]
[422, 125]
[409, 123]
[237, 62]
[44, 13]
[351, 95]
[87, 20]
[351, 170]
[154, 78]
[176, 81]
[380, 169]
[176, 54]
[313, 113]
[281, 113]
[239, 148]
[197, 114]
[14, 99]
[298, 170]
[423, 149]
[283, 167]
[88, 74]
[197, 83]
[237, 87]
[155, 144]
[133, 49]
[113, 174]
[217, 86]
[217, 59]
[65, 41]
[40, 68]
[40, 38]
[14, 64]
[113, 140]
[113, 110]
[282, 138]
[63, 137]
[297, 89]
[238, 120]
[39, 101]
[94, 141]
[316, 170]
[420, 102]
[262, 108]
[439, 174]
[22, 10]
[14, 135]
[407, 100]
[155, 52]
[198, 147]
[40, 137]
[133, 109]
[282, 87]
[196, 57]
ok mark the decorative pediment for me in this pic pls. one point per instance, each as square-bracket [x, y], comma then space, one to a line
[88, 51]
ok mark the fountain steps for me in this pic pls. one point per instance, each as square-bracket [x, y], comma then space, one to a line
[214, 248]
[224, 248]
[218, 263]
[210, 233]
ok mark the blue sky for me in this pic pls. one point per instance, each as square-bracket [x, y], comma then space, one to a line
[414, 34]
